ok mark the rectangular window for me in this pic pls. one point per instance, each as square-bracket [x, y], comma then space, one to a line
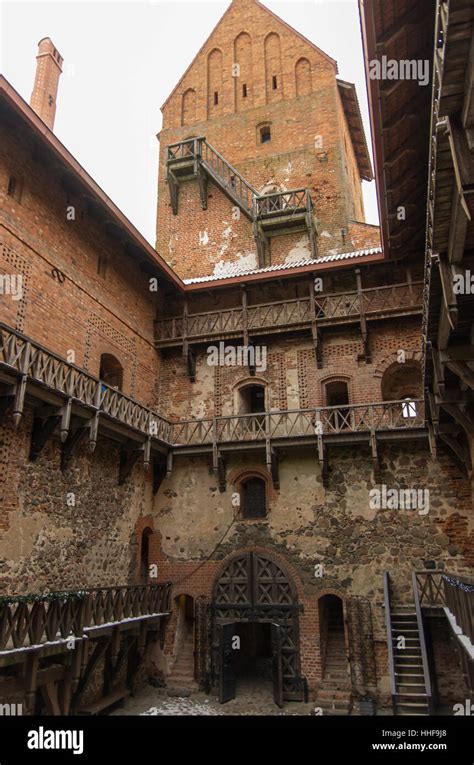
[15, 188]
[265, 134]
[244, 91]
[102, 266]
[274, 82]
[216, 98]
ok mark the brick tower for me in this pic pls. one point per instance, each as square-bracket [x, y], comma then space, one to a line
[275, 120]
[45, 90]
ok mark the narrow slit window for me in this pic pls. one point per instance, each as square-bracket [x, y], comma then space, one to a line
[274, 82]
[15, 188]
[216, 98]
[244, 90]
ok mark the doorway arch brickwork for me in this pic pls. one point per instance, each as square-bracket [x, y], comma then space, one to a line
[253, 586]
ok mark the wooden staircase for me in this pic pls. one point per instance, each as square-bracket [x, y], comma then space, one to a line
[408, 662]
[271, 214]
[181, 677]
[410, 685]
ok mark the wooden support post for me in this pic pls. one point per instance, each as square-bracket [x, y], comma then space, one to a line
[169, 463]
[66, 420]
[31, 681]
[94, 420]
[375, 456]
[147, 454]
[363, 322]
[174, 190]
[202, 183]
[315, 332]
[49, 691]
[323, 461]
[221, 473]
[20, 388]
[245, 331]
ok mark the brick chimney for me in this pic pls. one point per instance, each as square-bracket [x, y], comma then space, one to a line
[45, 89]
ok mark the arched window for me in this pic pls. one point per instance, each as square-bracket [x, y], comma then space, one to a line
[188, 113]
[303, 77]
[111, 371]
[337, 394]
[145, 555]
[251, 399]
[253, 496]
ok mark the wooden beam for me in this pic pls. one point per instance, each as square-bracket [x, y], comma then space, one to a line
[363, 322]
[221, 473]
[461, 369]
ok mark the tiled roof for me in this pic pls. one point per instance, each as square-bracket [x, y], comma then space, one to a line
[232, 271]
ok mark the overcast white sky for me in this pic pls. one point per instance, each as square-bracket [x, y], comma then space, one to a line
[121, 60]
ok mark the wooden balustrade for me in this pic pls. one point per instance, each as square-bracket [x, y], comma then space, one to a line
[396, 298]
[42, 367]
[430, 589]
[301, 423]
[459, 597]
[58, 617]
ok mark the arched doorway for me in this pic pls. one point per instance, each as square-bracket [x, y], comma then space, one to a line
[183, 672]
[145, 555]
[332, 638]
[255, 626]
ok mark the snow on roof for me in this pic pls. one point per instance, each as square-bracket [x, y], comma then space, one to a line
[234, 271]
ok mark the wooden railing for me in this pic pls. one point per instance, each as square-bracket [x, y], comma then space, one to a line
[39, 365]
[388, 624]
[287, 313]
[282, 203]
[459, 596]
[298, 423]
[421, 635]
[58, 617]
[430, 588]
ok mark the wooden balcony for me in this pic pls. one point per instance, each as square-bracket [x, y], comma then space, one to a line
[51, 620]
[74, 401]
[289, 315]
[344, 423]
[68, 399]
[321, 427]
[271, 214]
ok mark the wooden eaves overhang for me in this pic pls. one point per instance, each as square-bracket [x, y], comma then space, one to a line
[399, 30]
[448, 326]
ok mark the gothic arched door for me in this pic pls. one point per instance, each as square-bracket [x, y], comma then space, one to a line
[254, 588]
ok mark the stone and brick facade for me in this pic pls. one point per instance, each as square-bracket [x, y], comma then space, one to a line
[89, 297]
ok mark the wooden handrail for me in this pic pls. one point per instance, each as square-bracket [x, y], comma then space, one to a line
[421, 632]
[388, 624]
[58, 617]
[320, 299]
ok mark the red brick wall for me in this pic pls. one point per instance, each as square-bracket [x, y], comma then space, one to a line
[310, 145]
[86, 314]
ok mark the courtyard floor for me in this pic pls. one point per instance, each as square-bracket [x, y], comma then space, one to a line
[250, 700]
